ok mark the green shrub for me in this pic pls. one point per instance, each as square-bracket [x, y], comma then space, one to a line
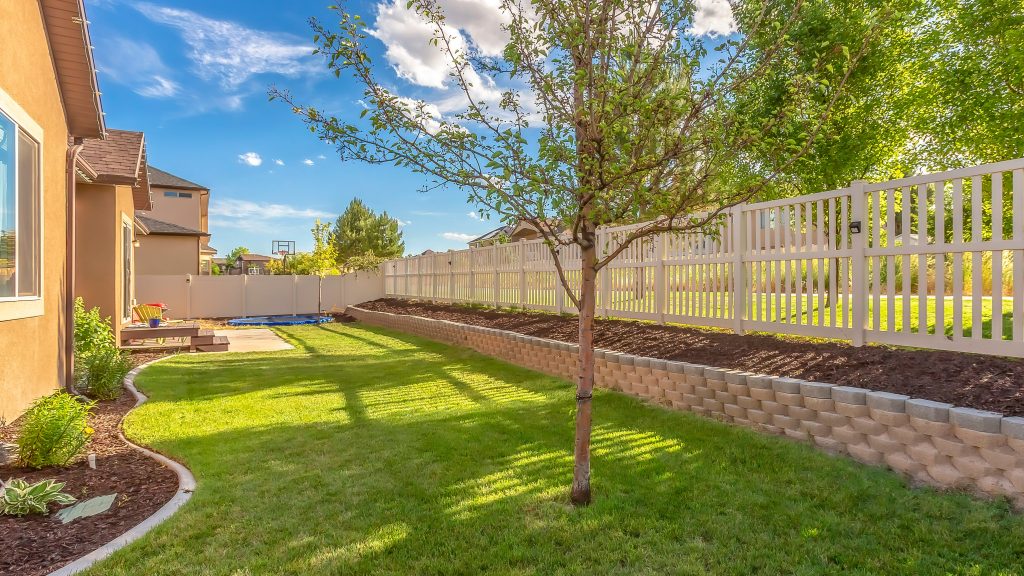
[101, 375]
[100, 367]
[55, 430]
[19, 498]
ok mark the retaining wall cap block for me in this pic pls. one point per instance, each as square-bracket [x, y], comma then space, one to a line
[641, 362]
[887, 401]
[612, 356]
[759, 381]
[693, 369]
[714, 373]
[928, 410]
[816, 389]
[1013, 426]
[736, 377]
[600, 353]
[675, 367]
[786, 385]
[657, 364]
[849, 395]
[627, 360]
[979, 420]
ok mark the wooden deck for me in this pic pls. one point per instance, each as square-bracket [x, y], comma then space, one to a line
[177, 335]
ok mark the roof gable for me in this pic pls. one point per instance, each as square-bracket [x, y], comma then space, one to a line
[120, 159]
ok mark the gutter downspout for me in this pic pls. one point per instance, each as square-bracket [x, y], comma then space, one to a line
[69, 270]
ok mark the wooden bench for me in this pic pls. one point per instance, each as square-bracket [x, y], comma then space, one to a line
[199, 339]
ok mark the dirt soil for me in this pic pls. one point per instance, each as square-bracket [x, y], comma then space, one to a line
[972, 380]
[34, 545]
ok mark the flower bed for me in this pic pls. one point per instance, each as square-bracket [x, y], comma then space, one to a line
[932, 442]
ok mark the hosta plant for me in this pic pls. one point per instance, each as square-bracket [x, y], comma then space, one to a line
[20, 498]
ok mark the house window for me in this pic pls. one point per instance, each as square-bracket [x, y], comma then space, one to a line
[255, 270]
[172, 194]
[20, 255]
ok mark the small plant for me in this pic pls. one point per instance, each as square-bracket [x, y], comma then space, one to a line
[101, 375]
[20, 498]
[100, 367]
[55, 430]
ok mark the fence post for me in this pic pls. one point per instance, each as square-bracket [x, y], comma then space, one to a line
[604, 282]
[245, 294]
[739, 269]
[451, 275]
[859, 300]
[295, 294]
[522, 274]
[188, 296]
[559, 289]
[660, 288]
[497, 273]
[472, 277]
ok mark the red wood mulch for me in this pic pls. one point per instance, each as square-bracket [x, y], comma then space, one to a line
[34, 545]
[972, 380]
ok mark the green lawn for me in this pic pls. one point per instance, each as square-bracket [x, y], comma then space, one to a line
[371, 452]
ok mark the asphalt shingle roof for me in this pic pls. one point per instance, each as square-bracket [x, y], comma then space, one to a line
[159, 227]
[120, 158]
[161, 179]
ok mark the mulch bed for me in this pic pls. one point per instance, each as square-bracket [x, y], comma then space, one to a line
[34, 545]
[972, 380]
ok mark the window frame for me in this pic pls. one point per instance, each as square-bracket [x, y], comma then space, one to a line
[17, 307]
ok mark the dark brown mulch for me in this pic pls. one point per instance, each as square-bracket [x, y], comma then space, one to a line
[973, 380]
[34, 545]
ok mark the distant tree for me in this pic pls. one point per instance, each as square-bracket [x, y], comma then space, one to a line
[215, 269]
[625, 118]
[323, 260]
[232, 256]
[359, 232]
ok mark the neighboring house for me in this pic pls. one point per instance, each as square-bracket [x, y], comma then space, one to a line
[112, 183]
[185, 205]
[505, 234]
[48, 98]
[251, 264]
[167, 248]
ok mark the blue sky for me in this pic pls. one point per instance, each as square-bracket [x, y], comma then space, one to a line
[193, 75]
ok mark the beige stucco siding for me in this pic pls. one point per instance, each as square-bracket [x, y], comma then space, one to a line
[100, 211]
[181, 211]
[31, 349]
[159, 254]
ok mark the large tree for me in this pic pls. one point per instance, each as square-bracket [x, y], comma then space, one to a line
[363, 238]
[614, 112]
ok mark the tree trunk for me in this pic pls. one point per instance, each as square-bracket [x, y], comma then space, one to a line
[580, 494]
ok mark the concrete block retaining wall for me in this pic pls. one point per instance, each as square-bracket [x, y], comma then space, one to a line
[931, 442]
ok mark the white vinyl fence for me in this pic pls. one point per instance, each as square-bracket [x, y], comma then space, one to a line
[190, 296]
[933, 261]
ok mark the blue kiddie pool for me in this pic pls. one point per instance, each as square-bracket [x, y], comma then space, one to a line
[279, 320]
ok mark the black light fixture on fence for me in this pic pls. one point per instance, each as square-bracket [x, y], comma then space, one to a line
[855, 227]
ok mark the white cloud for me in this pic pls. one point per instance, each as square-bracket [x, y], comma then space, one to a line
[322, 157]
[403, 223]
[473, 215]
[136, 65]
[250, 158]
[230, 53]
[457, 236]
[713, 18]
[246, 209]
[307, 162]
[279, 162]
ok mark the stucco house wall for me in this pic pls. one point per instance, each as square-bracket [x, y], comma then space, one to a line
[32, 340]
[158, 254]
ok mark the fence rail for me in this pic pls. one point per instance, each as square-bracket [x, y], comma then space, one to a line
[932, 261]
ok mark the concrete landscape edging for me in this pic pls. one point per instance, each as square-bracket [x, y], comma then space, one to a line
[186, 485]
[930, 442]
